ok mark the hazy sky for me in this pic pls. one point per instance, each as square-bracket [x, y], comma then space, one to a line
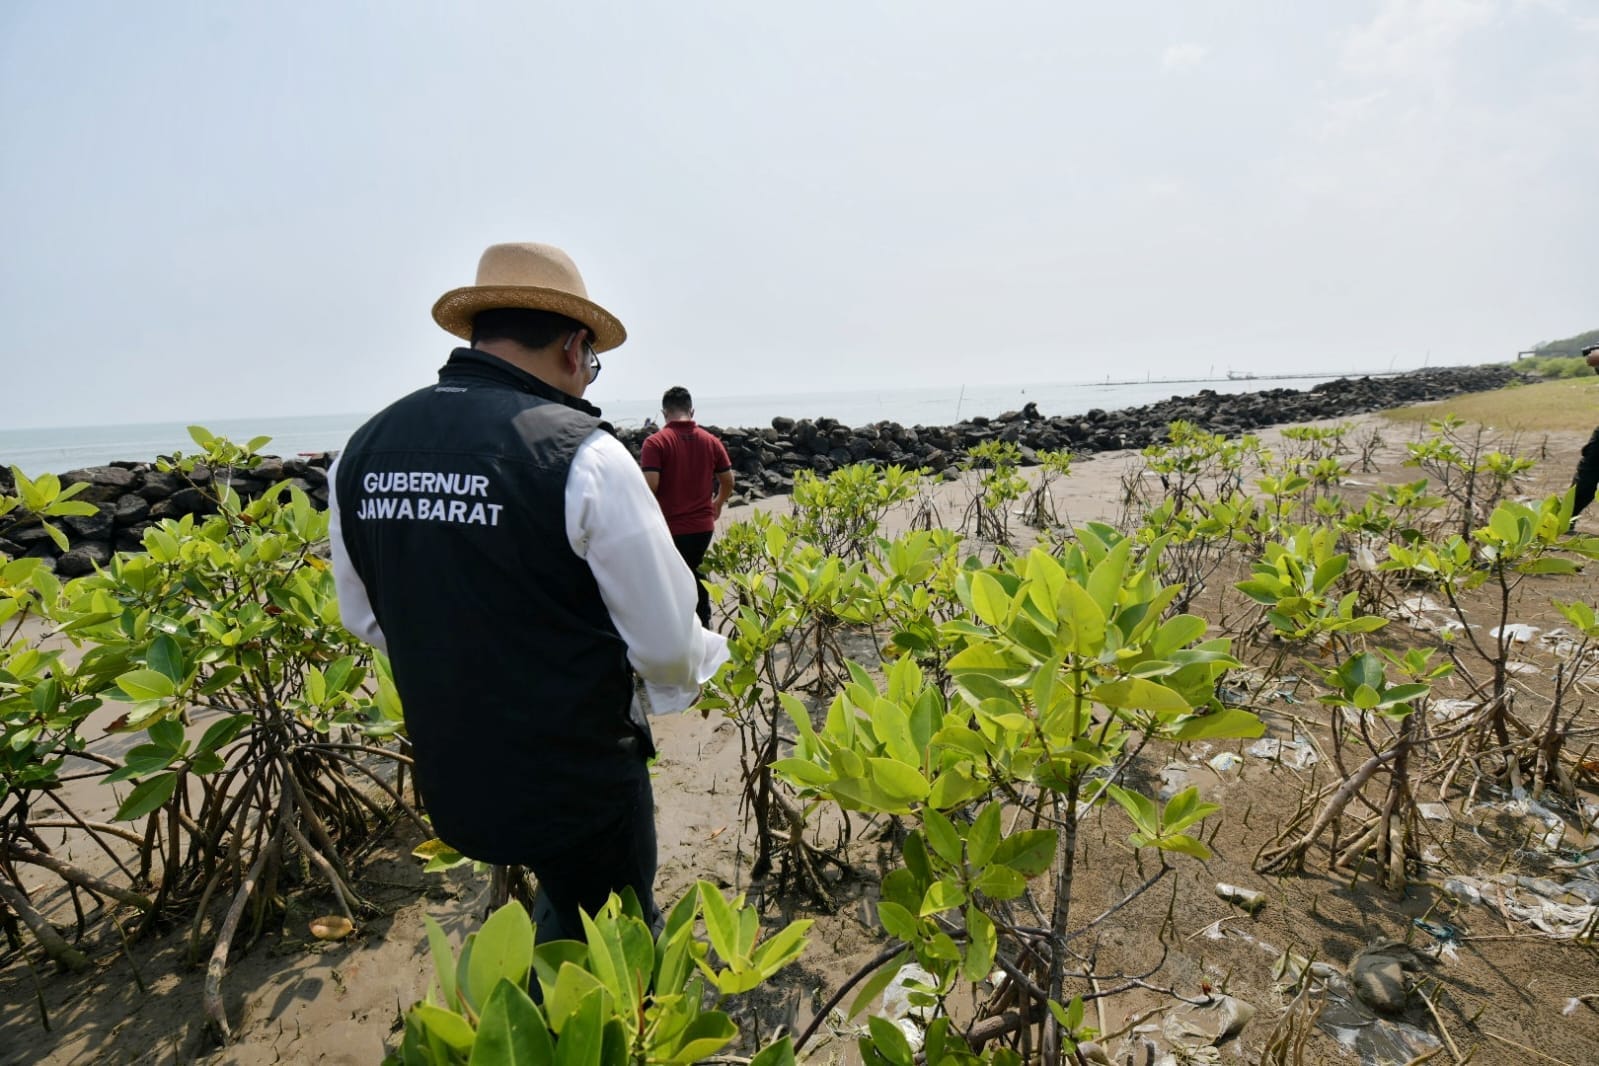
[215, 210]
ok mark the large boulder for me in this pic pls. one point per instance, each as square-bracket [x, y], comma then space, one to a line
[95, 526]
[130, 538]
[83, 558]
[105, 483]
[160, 484]
[130, 508]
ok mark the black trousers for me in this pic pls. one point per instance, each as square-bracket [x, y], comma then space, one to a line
[620, 853]
[692, 547]
[1587, 479]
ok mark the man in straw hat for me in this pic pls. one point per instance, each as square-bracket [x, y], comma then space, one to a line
[508, 555]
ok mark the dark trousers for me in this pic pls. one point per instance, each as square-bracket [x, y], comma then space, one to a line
[692, 547]
[1587, 479]
[619, 854]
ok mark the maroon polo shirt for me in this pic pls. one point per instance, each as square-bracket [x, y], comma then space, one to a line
[688, 460]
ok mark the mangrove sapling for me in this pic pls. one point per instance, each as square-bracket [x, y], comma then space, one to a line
[1550, 739]
[998, 486]
[1062, 666]
[1197, 464]
[1553, 734]
[1467, 472]
[914, 589]
[1134, 498]
[1038, 510]
[775, 637]
[34, 501]
[1403, 514]
[44, 701]
[1189, 547]
[1391, 831]
[233, 616]
[841, 514]
[1369, 443]
[1518, 542]
[924, 514]
[1296, 585]
[1192, 467]
[1308, 445]
[621, 996]
[1360, 686]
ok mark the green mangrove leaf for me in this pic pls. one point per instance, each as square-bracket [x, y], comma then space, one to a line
[443, 960]
[1227, 723]
[147, 684]
[147, 796]
[511, 1031]
[583, 1033]
[874, 985]
[503, 949]
[448, 1034]
[1028, 852]
[981, 945]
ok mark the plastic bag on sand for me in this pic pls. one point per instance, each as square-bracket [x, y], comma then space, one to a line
[1376, 1040]
[1225, 761]
[1562, 921]
[909, 1017]
[1522, 805]
[1297, 753]
[1448, 710]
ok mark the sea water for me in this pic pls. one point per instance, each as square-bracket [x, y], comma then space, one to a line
[58, 450]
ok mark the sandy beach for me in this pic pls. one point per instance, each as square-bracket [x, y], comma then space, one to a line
[297, 999]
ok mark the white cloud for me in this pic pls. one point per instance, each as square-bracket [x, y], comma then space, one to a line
[1186, 56]
[1345, 114]
[1415, 40]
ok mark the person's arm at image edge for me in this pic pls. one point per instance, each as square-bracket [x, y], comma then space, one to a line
[614, 523]
[355, 607]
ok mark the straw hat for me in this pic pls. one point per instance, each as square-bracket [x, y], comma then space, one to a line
[539, 277]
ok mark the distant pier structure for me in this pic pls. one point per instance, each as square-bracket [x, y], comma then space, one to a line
[1245, 375]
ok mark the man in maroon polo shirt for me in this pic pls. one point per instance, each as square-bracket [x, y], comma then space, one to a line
[692, 477]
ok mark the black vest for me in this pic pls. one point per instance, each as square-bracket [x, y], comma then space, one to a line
[516, 686]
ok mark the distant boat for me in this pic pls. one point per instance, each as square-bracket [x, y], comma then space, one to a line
[1239, 375]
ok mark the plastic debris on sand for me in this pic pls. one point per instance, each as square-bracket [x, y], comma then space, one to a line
[1298, 754]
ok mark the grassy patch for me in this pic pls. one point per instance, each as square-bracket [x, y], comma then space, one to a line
[1556, 366]
[1571, 403]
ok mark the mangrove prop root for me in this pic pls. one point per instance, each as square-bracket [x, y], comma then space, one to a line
[1290, 854]
[346, 899]
[68, 872]
[229, 862]
[215, 1010]
[404, 807]
[65, 955]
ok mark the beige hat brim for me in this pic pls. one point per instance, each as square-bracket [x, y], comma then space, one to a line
[455, 310]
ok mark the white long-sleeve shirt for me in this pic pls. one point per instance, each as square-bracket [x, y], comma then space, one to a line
[614, 524]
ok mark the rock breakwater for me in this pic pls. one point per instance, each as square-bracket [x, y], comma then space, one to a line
[129, 496]
[765, 460]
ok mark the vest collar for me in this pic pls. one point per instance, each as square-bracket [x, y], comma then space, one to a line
[469, 362]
